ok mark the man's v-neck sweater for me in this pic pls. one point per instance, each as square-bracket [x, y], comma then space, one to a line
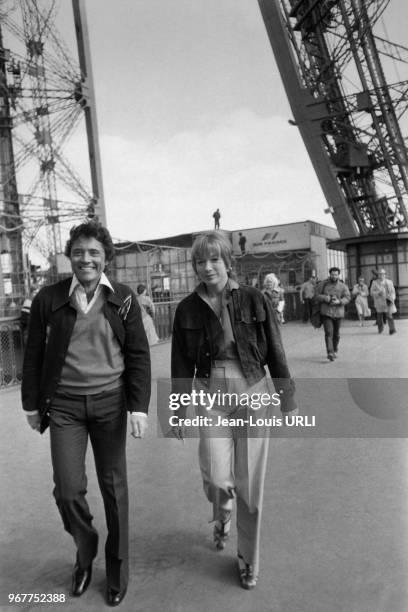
[94, 360]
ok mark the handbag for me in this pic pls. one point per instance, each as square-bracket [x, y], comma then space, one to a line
[315, 317]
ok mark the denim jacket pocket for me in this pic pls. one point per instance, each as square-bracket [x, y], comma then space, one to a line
[193, 332]
[258, 316]
[251, 324]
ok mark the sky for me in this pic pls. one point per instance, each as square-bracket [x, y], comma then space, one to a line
[193, 116]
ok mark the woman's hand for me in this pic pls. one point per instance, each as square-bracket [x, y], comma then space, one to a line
[34, 421]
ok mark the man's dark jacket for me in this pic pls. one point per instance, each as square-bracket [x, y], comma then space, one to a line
[197, 336]
[51, 324]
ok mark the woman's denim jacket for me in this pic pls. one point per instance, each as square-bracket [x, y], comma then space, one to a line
[198, 336]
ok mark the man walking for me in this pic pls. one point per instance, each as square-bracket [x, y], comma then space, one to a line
[383, 292]
[333, 295]
[86, 364]
[307, 293]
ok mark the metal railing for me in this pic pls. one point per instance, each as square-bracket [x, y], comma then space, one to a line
[11, 351]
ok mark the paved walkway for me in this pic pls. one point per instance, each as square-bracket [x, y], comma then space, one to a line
[335, 510]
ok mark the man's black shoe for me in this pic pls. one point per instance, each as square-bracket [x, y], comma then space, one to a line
[80, 579]
[114, 597]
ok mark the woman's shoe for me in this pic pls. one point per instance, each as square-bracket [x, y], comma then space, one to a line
[246, 574]
[221, 532]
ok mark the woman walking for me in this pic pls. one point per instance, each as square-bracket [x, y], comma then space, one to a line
[224, 333]
[147, 307]
[273, 290]
[360, 293]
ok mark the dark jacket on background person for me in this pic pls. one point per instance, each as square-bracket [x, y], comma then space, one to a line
[198, 338]
[329, 288]
[52, 321]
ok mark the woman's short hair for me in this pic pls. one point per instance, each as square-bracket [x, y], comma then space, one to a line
[209, 242]
[91, 229]
[140, 288]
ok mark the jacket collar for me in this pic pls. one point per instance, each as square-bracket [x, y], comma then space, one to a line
[60, 295]
[112, 296]
[231, 284]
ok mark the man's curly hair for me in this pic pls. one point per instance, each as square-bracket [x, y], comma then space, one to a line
[91, 229]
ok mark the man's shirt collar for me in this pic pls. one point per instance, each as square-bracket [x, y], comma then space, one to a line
[102, 281]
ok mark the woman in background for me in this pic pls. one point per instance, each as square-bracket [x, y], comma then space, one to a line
[223, 336]
[148, 311]
[360, 292]
[274, 291]
[383, 292]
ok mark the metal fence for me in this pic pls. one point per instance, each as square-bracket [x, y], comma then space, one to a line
[165, 271]
[163, 318]
[11, 351]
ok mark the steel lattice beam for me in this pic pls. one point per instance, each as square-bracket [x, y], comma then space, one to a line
[352, 135]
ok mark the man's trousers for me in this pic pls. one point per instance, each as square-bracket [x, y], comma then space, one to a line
[382, 318]
[103, 419]
[331, 334]
[307, 309]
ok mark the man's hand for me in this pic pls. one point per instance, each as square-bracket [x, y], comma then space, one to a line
[34, 421]
[138, 424]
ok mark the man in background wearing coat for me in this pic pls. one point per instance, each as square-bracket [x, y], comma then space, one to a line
[333, 295]
[86, 364]
[307, 293]
[383, 293]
